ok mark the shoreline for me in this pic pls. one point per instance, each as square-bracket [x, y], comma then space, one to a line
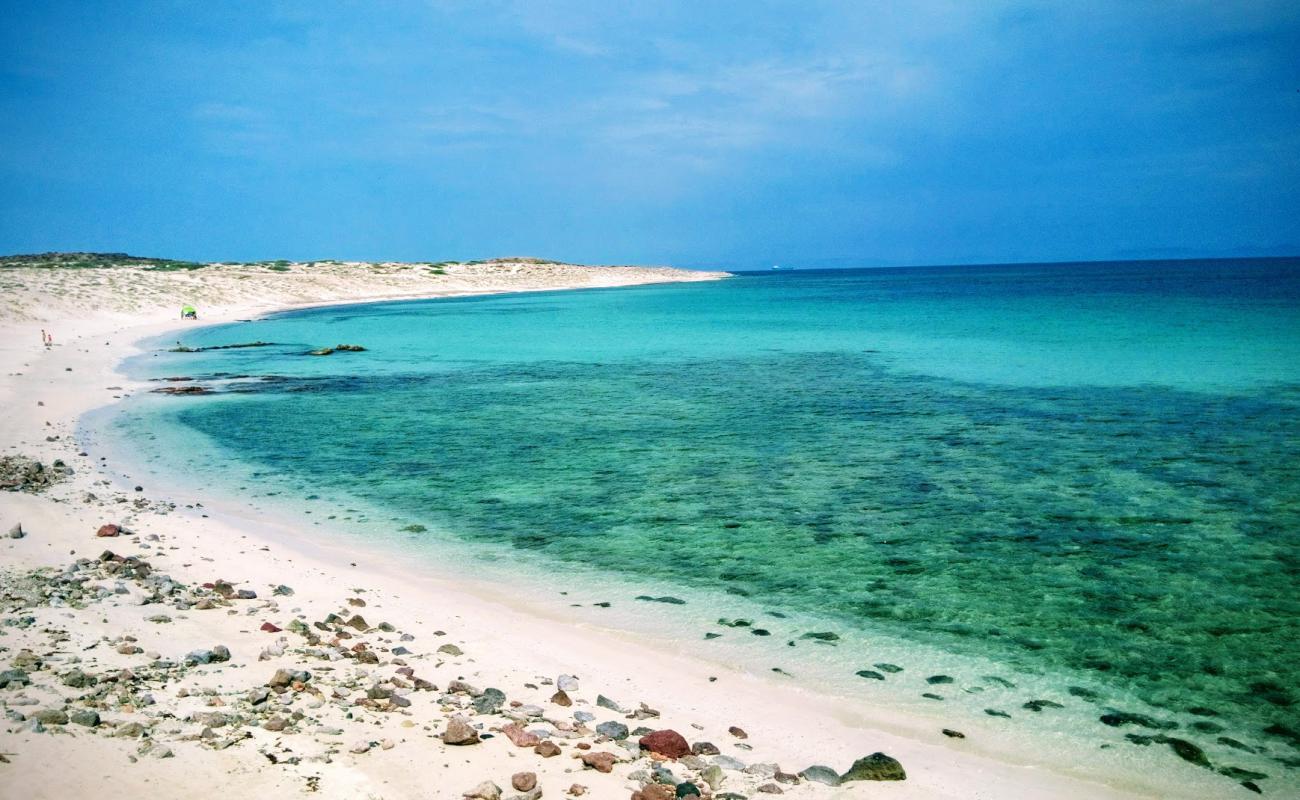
[785, 723]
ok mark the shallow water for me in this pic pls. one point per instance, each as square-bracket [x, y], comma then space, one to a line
[1086, 475]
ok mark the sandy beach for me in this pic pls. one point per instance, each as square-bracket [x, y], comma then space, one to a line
[154, 647]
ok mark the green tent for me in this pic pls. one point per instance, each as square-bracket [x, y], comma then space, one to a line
[189, 311]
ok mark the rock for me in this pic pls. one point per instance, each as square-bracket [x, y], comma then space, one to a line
[51, 716]
[1118, 718]
[284, 678]
[666, 742]
[1187, 751]
[566, 683]
[23, 474]
[17, 532]
[951, 734]
[132, 730]
[349, 348]
[460, 687]
[561, 698]
[770, 788]
[935, 680]
[599, 761]
[870, 674]
[270, 628]
[459, 732]
[727, 762]
[487, 790]
[687, 789]
[275, 724]
[712, 775]
[85, 716]
[14, 678]
[704, 749]
[108, 531]
[577, 790]
[220, 653]
[655, 791]
[1039, 705]
[821, 636]
[821, 774]
[360, 747]
[605, 702]
[875, 767]
[739, 733]
[523, 781]
[518, 736]
[547, 749]
[612, 730]
[451, 650]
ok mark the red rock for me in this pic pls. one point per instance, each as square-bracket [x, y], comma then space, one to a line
[108, 530]
[269, 628]
[666, 743]
[523, 781]
[601, 762]
[518, 736]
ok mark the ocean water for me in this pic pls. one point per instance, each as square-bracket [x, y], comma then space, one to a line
[965, 490]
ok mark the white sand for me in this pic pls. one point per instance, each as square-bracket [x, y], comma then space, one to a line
[95, 320]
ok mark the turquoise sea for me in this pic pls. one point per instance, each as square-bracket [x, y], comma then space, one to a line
[1061, 499]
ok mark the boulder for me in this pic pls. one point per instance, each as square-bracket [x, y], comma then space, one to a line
[524, 781]
[875, 767]
[108, 531]
[667, 742]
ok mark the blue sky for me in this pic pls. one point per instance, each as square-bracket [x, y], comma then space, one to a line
[699, 133]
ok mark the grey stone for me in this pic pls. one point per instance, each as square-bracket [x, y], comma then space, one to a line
[490, 701]
[612, 730]
[821, 774]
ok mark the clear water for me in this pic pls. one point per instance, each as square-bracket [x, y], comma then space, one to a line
[1082, 475]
